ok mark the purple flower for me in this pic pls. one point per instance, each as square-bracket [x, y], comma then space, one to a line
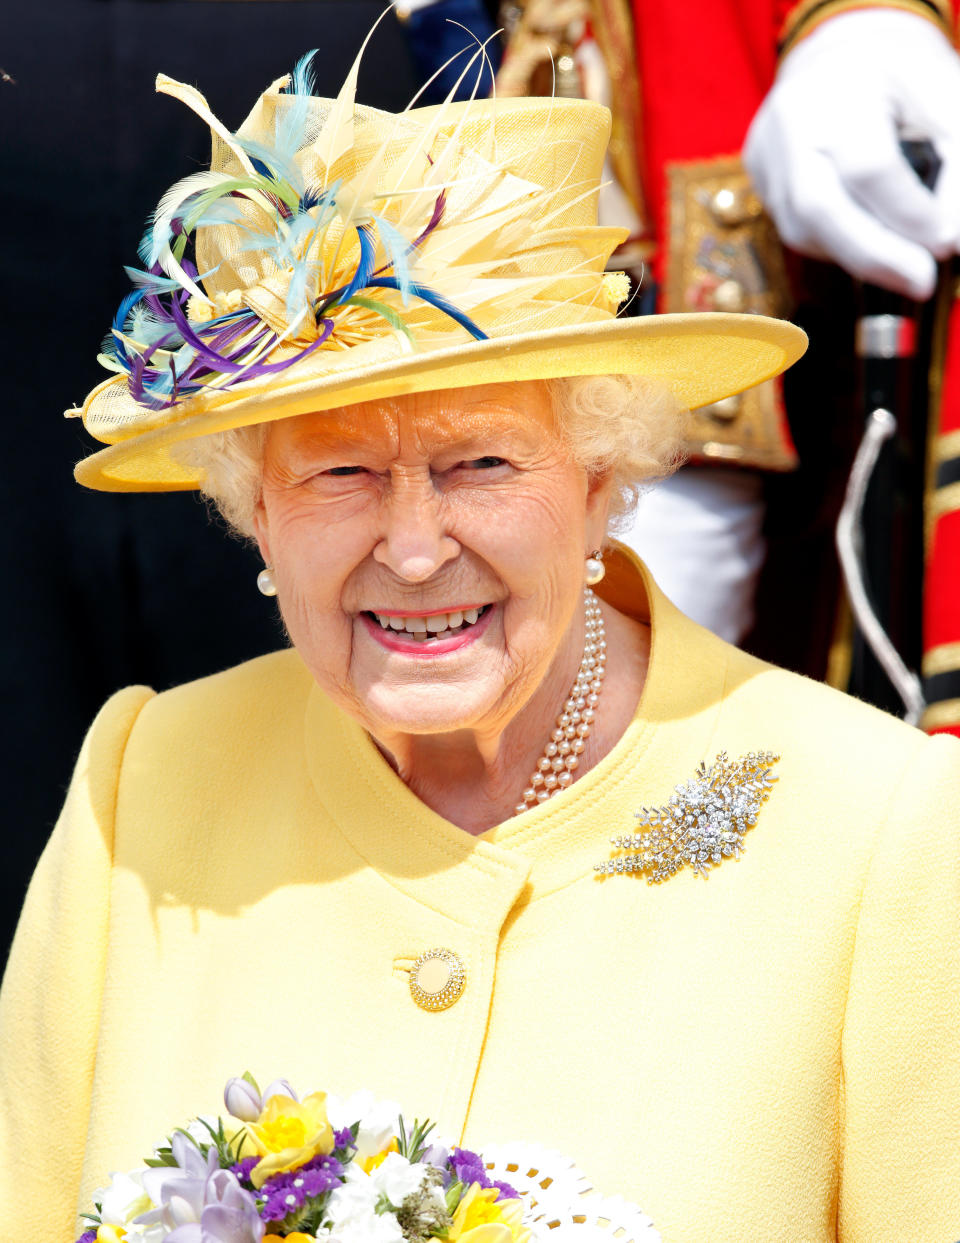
[88, 1236]
[468, 1167]
[343, 1139]
[187, 1178]
[242, 1168]
[242, 1100]
[199, 1202]
[506, 1191]
[437, 1156]
[279, 1087]
[321, 1176]
[225, 1214]
[285, 1193]
[281, 1200]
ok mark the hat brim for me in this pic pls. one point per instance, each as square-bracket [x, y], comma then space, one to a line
[701, 357]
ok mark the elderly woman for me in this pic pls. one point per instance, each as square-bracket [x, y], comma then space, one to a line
[404, 854]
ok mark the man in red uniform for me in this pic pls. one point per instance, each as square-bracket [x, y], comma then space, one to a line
[822, 88]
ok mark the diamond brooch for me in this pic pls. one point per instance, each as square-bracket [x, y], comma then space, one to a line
[703, 823]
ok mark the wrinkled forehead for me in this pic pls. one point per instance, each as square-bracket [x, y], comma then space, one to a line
[520, 413]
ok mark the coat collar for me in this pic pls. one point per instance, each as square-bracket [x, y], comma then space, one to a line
[475, 879]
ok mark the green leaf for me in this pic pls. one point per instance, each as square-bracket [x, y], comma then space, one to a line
[381, 308]
[455, 1193]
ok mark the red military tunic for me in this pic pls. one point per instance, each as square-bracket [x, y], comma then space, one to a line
[704, 69]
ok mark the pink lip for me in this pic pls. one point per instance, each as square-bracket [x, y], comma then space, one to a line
[391, 640]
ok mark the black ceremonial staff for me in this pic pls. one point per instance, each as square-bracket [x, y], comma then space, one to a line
[880, 529]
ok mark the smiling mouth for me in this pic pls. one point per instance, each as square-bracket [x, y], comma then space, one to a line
[436, 626]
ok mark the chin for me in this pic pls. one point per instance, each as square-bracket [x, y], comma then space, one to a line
[426, 709]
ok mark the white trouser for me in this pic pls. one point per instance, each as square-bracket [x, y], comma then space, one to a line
[701, 534]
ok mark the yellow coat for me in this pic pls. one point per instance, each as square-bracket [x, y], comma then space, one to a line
[240, 882]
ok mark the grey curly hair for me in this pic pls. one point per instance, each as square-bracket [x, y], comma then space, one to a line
[626, 424]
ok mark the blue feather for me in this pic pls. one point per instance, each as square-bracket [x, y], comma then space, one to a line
[303, 272]
[361, 278]
[434, 299]
[398, 249]
[129, 301]
[303, 80]
[316, 196]
[274, 162]
[289, 127]
[149, 282]
[145, 248]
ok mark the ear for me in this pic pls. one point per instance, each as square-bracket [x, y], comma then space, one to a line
[599, 492]
[261, 529]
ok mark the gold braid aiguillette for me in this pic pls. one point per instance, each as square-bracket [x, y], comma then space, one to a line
[703, 823]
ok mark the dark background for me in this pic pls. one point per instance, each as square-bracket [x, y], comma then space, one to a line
[103, 591]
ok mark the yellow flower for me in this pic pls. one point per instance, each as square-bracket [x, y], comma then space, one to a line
[111, 1234]
[369, 1164]
[296, 1237]
[482, 1218]
[288, 1134]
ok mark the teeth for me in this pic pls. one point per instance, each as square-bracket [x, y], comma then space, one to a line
[422, 628]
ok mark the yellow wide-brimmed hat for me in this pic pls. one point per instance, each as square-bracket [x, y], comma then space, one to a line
[334, 254]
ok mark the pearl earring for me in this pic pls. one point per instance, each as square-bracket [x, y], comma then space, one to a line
[265, 584]
[594, 569]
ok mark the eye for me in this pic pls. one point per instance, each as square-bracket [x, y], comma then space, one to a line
[344, 470]
[484, 463]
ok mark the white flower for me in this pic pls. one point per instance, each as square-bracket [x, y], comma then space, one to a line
[196, 1129]
[378, 1120]
[396, 1178]
[351, 1211]
[123, 1200]
[357, 1194]
[369, 1227]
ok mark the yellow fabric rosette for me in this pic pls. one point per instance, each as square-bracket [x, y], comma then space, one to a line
[482, 1218]
[288, 1134]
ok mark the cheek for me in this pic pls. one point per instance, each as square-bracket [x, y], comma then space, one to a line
[538, 537]
[313, 556]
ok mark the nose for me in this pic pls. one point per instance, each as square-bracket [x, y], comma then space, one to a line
[414, 541]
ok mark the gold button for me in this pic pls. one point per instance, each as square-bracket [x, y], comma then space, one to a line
[437, 979]
[723, 411]
[729, 295]
[732, 206]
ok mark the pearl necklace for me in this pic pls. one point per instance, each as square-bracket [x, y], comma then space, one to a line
[561, 755]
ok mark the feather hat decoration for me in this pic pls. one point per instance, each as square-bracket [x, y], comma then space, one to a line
[334, 253]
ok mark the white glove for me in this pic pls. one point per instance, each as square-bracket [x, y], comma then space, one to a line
[823, 150]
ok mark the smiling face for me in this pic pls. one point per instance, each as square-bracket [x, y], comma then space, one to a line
[428, 553]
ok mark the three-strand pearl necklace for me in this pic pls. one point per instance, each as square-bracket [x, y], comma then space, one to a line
[561, 755]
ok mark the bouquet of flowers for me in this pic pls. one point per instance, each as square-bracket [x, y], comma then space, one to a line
[348, 1171]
